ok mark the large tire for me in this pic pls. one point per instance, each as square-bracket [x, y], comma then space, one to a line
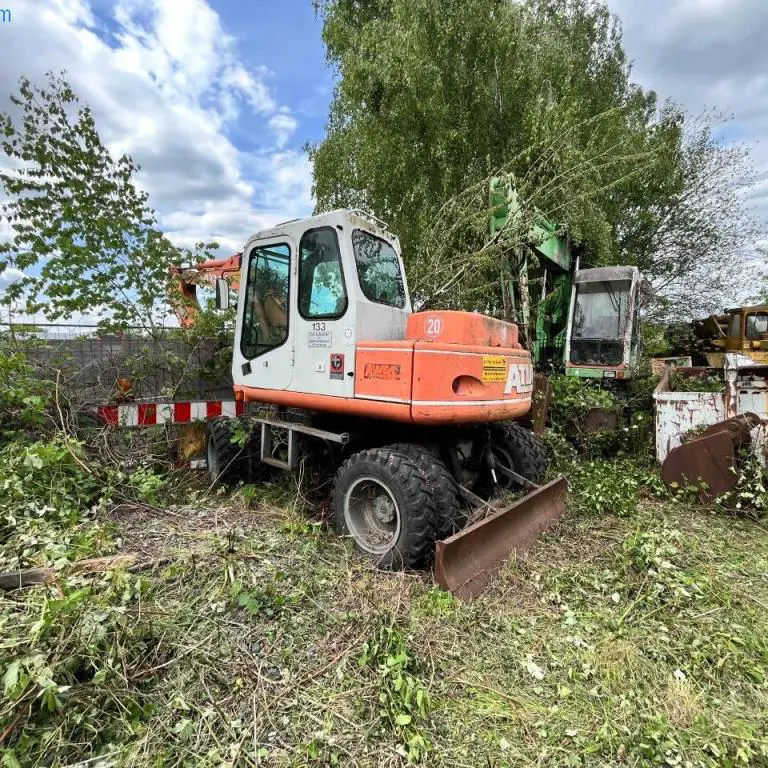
[228, 462]
[445, 491]
[382, 500]
[526, 452]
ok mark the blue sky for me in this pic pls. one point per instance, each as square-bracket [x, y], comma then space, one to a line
[286, 37]
[217, 98]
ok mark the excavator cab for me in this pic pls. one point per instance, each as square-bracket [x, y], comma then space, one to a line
[603, 323]
[748, 334]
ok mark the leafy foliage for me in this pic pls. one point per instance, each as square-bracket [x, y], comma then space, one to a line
[572, 397]
[680, 381]
[541, 89]
[612, 487]
[403, 698]
[83, 234]
[750, 496]
[24, 398]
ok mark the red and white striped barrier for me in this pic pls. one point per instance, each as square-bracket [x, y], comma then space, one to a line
[152, 414]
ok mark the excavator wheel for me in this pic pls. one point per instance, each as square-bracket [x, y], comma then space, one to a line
[382, 500]
[450, 517]
[228, 462]
[520, 450]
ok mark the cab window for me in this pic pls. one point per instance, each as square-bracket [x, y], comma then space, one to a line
[378, 269]
[734, 329]
[757, 325]
[265, 318]
[322, 292]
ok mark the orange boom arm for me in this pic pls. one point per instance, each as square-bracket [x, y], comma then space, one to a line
[184, 282]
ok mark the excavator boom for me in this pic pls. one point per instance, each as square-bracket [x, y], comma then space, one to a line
[185, 280]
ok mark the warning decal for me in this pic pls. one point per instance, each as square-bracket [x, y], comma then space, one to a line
[337, 365]
[494, 368]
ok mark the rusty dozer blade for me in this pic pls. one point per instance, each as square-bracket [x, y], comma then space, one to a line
[710, 457]
[466, 562]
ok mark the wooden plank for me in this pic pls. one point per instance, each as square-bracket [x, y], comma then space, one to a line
[30, 576]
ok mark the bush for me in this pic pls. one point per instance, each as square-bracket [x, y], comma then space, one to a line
[680, 381]
[24, 397]
[613, 487]
[751, 492]
[46, 491]
[573, 397]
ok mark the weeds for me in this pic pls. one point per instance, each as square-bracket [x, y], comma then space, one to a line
[680, 381]
[750, 496]
[635, 634]
[402, 696]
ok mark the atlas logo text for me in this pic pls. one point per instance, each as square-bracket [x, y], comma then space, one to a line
[519, 378]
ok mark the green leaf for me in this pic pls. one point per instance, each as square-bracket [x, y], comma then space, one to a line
[11, 676]
[10, 761]
[403, 719]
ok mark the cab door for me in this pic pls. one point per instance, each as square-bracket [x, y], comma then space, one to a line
[324, 325]
[263, 357]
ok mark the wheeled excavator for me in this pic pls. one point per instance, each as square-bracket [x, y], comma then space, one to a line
[419, 410]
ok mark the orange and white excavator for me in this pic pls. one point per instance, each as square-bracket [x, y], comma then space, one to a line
[421, 409]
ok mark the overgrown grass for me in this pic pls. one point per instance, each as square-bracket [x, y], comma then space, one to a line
[261, 639]
[635, 633]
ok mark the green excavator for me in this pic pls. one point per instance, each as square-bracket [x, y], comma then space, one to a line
[584, 321]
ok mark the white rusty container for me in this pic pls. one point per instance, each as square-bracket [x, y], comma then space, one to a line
[677, 413]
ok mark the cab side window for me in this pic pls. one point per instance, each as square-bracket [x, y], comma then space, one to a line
[265, 319]
[378, 269]
[322, 291]
[734, 329]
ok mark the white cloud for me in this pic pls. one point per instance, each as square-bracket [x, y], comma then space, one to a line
[709, 54]
[284, 126]
[167, 86]
[704, 54]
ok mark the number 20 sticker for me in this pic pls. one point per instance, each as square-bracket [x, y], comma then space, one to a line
[434, 326]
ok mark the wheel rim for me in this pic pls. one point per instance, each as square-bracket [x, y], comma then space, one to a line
[372, 515]
[504, 458]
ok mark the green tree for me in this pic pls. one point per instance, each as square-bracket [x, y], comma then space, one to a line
[434, 97]
[84, 236]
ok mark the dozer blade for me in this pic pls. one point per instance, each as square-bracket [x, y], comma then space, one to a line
[467, 562]
[710, 457]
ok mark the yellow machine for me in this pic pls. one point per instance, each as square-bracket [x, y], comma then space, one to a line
[742, 330]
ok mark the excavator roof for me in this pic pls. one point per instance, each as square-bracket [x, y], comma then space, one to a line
[755, 308]
[323, 219]
[605, 274]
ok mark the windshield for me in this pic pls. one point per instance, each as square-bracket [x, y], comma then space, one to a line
[601, 310]
[757, 325]
[378, 269]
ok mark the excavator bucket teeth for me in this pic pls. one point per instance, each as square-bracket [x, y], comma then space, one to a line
[708, 460]
[466, 563]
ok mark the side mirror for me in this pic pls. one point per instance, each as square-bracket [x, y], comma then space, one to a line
[222, 294]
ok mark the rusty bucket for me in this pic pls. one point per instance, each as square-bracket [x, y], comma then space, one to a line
[710, 457]
[467, 562]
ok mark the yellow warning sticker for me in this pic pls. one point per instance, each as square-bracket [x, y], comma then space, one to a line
[494, 368]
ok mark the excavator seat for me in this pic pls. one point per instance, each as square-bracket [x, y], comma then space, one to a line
[276, 313]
